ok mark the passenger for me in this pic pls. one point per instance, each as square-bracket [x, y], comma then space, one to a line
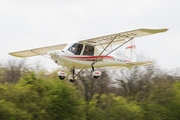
[88, 51]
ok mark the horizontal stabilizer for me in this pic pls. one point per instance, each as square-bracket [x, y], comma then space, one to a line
[131, 64]
[140, 63]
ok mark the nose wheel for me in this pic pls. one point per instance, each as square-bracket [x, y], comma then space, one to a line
[72, 80]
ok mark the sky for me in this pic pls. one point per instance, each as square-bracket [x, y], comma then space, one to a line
[26, 24]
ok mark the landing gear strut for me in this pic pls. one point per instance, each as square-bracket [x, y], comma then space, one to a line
[72, 76]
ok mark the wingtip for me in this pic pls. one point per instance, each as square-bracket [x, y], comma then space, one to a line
[164, 29]
[12, 54]
[167, 29]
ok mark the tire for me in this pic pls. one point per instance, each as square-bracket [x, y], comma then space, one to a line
[61, 77]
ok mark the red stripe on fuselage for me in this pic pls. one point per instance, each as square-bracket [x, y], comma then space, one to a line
[127, 61]
[89, 57]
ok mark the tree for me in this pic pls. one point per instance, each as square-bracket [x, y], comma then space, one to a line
[90, 86]
[163, 100]
[9, 111]
[13, 70]
[112, 107]
[43, 99]
[64, 102]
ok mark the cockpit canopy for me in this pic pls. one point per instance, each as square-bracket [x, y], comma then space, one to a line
[80, 49]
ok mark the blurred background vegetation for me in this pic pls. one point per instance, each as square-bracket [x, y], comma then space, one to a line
[143, 93]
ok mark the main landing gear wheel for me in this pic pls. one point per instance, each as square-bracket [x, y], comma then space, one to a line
[96, 74]
[71, 78]
[61, 75]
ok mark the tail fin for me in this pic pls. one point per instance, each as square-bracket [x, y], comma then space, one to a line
[130, 51]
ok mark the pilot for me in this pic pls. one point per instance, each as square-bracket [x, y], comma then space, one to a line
[88, 51]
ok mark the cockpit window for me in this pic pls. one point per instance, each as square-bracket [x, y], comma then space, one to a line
[76, 48]
[89, 50]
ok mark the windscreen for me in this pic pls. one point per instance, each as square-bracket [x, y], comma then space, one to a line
[76, 48]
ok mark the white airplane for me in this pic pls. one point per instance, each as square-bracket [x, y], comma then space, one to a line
[92, 53]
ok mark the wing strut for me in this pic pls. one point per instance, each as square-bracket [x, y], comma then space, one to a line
[40, 54]
[119, 46]
[108, 45]
[103, 51]
[110, 51]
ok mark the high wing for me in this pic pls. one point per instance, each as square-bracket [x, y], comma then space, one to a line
[37, 51]
[120, 38]
[116, 39]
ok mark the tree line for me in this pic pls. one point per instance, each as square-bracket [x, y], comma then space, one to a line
[143, 93]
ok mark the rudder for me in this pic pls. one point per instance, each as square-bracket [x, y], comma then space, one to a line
[130, 51]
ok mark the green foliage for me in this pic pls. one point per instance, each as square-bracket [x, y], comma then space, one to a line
[163, 102]
[9, 111]
[40, 99]
[112, 107]
[64, 102]
[38, 96]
